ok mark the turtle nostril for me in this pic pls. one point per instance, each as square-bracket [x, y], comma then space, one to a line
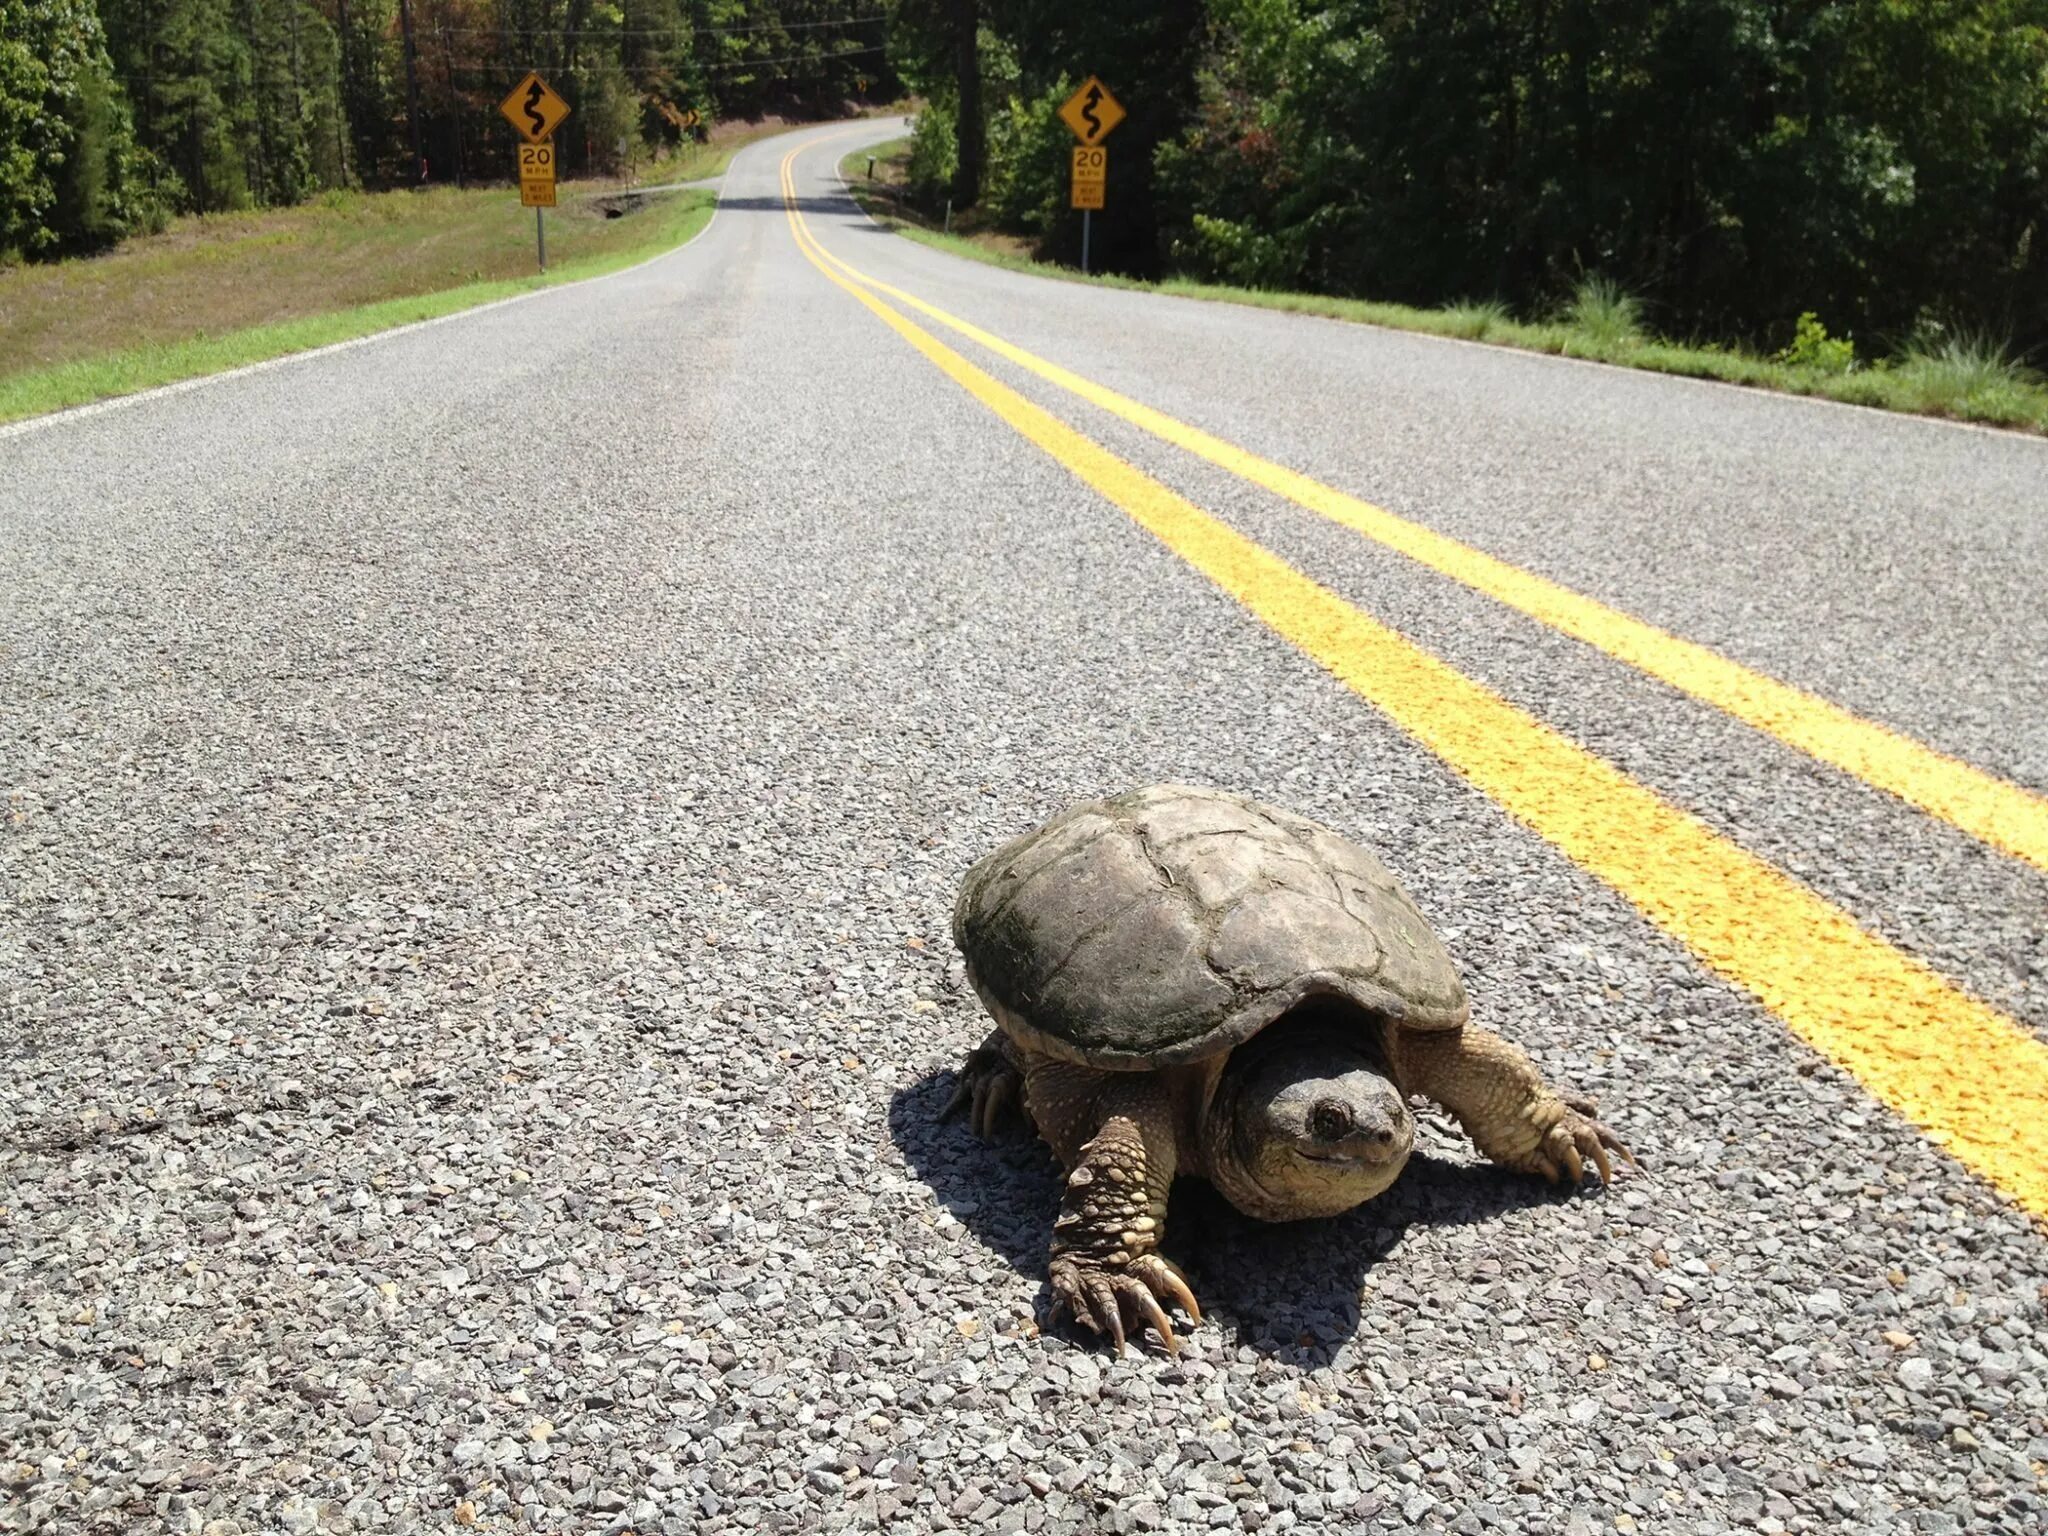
[1385, 1137]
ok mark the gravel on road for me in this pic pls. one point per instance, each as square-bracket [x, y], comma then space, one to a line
[483, 812]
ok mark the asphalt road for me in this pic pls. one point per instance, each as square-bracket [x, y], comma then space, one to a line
[483, 813]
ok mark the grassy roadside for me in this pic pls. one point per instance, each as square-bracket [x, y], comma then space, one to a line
[1960, 377]
[183, 304]
[666, 222]
[230, 289]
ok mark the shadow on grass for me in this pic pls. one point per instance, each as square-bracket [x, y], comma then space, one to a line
[1291, 1290]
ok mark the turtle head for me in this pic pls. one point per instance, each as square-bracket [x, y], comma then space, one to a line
[1306, 1124]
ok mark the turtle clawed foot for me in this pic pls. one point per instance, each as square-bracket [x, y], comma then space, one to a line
[1575, 1141]
[1107, 1298]
[992, 1091]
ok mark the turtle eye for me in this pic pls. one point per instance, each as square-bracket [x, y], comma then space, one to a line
[1329, 1121]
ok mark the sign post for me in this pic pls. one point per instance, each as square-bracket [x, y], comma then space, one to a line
[1090, 113]
[1091, 178]
[536, 112]
[537, 190]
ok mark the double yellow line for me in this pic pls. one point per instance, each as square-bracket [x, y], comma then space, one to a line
[1971, 1078]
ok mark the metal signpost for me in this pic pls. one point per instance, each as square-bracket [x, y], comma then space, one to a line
[1090, 113]
[537, 190]
[536, 111]
[1091, 180]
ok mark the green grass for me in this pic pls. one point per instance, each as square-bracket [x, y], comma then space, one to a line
[1967, 376]
[1604, 316]
[1963, 378]
[167, 299]
[1475, 320]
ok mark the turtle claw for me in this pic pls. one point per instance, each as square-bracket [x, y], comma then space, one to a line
[992, 1091]
[1101, 1298]
[1576, 1140]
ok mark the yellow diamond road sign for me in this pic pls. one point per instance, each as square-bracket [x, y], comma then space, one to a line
[1091, 112]
[534, 109]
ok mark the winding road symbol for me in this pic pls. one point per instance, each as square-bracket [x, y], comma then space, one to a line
[1091, 112]
[534, 109]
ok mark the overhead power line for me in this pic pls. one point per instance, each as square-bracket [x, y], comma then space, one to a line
[680, 31]
[494, 78]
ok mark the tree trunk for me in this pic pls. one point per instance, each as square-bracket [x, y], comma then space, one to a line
[967, 70]
[412, 94]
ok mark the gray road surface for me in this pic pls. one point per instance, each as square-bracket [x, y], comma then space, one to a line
[483, 813]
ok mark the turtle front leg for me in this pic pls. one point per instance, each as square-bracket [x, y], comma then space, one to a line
[991, 1089]
[1106, 1267]
[1512, 1115]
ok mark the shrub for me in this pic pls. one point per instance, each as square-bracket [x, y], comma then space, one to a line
[1236, 253]
[71, 175]
[934, 156]
[1812, 347]
[1024, 184]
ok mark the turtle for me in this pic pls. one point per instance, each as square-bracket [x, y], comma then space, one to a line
[1186, 981]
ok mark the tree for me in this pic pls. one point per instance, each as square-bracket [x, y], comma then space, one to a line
[71, 176]
[971, 135]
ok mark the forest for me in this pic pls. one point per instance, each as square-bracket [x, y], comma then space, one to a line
[1733, 163]
[116, 114]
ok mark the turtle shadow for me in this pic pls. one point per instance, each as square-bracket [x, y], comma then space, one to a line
[1291, 1290]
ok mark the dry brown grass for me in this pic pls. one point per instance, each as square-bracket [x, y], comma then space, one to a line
[227, 272]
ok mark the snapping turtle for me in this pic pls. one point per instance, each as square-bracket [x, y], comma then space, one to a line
[1186, 981]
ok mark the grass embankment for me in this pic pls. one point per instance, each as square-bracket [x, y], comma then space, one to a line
[230, 289]
[1961, 377]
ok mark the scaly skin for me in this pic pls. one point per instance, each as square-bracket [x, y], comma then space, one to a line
[1114, 1132]
[1106, 1268]
[1501, 1100]
[1122, 1136]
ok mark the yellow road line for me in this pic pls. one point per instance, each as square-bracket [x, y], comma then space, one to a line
[1970, 1077]
[1993, 810]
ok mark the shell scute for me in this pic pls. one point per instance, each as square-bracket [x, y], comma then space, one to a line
[1165, 822]
[1170, 923]
[1045, 917]
[1216, 870]
[1271, 937]
[1138, 984]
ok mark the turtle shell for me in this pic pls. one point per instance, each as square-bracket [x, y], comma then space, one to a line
[1169, 924]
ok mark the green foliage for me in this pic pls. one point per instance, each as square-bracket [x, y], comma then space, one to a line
[1733, 162]
[934, 156]
[113, 111]
[1235, 252]
[1024, 185]
[1605, 315]
[71, 177]
[1033, 52]
[1812, 347]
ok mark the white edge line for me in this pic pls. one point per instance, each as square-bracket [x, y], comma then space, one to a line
[1752, 391]
[198, 381]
